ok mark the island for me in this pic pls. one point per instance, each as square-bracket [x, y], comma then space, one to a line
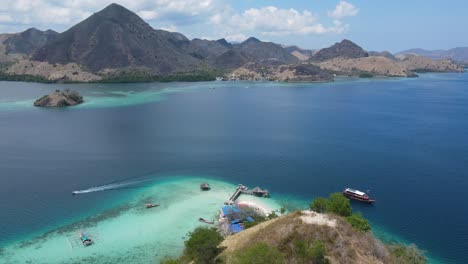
[327, 232]
[59, 99]
[136, 52]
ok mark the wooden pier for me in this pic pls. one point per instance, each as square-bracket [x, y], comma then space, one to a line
[241, 189]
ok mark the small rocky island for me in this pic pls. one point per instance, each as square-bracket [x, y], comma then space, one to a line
[59, 99]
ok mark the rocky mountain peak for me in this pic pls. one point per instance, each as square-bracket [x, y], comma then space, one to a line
[344, 49]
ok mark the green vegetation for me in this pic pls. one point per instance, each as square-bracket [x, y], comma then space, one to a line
[260, 219]
[307, 252]
[23, 78]
[338, 204]
[422, 70]
[289, 240]
[139, 77]
[366, 75]
[260, 253]
[319, 205]
[202, 245]
[359, 222]
[407, 254]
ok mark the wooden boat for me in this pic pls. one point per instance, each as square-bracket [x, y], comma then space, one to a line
[357, 195]
[205, 187]
[85, 239]
[205, 221]
[151, 205]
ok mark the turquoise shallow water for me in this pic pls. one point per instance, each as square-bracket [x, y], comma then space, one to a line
[401, 138]
[130, 232]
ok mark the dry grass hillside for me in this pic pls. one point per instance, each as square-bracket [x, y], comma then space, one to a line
[375, 65]
[424, 64]
[53, 72]
[343, 243]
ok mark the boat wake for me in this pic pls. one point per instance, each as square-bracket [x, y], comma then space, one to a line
[109, 186]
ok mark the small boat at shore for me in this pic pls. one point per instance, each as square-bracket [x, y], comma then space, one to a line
[205, 221]
[357, 195]
[150, 205]
[85, 239]
[205, 187]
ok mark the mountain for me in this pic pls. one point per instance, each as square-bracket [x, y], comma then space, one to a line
[258, 50]
[117, 38]
[207, 49]
[272, 71]
[301, 54]
[424, 64]
[20, 45]
[28, 41]
[370, 66]
[385, 54]
[251, 50]
[115, 44]
[456, 54]
[345, 49]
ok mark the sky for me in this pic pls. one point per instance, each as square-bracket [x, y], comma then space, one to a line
[392, 25]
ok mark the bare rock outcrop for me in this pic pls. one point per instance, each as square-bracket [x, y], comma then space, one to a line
[60, 99]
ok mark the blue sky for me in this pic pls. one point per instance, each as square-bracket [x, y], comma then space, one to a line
[374, 24]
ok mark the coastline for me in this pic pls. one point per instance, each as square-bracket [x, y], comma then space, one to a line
[130, 232]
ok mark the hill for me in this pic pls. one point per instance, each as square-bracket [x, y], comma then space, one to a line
[21, 45]
[423, 64]
[459, 54]
[345, 49]
[117, 38]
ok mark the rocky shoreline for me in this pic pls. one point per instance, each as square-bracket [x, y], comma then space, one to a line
[59, 99]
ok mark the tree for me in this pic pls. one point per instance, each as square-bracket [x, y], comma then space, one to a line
[359, 222]
[338, 204]
[202, 246]
[319, 205]
[260, 253]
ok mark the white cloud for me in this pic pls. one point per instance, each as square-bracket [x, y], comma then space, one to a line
[170, 28]
[274, 21]
[4, 18]
[343, 9]
[216, 18]
[236, 37]
[148, 15]
[49, 13]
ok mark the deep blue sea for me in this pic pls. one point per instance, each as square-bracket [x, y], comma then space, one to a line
[405, 140]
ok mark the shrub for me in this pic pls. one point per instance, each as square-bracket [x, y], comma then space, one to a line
[366, 75]
[307, 252]
[359, 222]
[338, 204]
[202, 246]
[408, 254]
[259, 253]
[282, 210]
[319, 205]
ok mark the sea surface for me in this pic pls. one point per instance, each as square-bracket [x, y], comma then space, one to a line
[405, 140]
